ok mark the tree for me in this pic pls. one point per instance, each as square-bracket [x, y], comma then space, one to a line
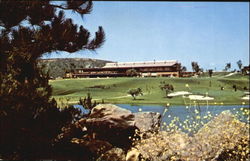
[235, 87]
[239, 63]
[228, 66]
[167, 88]
[29, 119]
[183, 69]
[87, 102]
[195, 67]
[210, 72]
[72, 67]
[132, 72]
[245, 70]
[135, 92]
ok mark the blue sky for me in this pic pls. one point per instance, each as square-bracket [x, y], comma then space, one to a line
[211, 33]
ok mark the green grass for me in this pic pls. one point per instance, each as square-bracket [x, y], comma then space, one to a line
[215, 74]
[115, 90]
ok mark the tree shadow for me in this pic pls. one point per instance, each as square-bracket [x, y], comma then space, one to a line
[168, 97]
[139, 99]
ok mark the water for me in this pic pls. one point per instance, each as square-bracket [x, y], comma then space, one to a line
[182, 112]
[83, 110]
[185, 112]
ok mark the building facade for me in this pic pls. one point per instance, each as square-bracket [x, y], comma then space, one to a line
[143, 69]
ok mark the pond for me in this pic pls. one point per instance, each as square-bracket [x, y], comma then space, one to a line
[182, 112]
[188, 119]
[186, 112]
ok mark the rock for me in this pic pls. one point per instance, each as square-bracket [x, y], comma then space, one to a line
[212, 142]
[161, 145]
[111, 123]
[223, 132]
[116, 154]
[112, 115]
[147, 121]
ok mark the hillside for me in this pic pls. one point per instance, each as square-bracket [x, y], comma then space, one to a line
[57, 67]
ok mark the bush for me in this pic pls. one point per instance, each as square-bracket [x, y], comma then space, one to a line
[135, 92]
[166, 87]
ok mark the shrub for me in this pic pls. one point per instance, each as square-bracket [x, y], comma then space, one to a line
[166, 87]
[135, 92]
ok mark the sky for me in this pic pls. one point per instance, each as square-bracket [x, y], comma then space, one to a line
[210, 33]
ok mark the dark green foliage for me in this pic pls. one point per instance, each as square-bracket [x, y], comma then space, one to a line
[132, 73]
[166, 87]
[29, 120]
[239, 63]
[135, 92]
[87, 102]
[235, 87]
[195, 67]
[210, 72]
[183, 69]
[228, 66]
[246, 70]
[100, 87]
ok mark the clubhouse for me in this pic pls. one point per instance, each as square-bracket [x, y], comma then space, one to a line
[170, 68]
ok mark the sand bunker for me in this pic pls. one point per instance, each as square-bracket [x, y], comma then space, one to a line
[246, 97]
[179, 93]
[200, 97]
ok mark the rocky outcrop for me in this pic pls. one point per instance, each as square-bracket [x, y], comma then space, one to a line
[161, 145]
[147, 121]
[223, 132]
[109, 131]
[117, 125]
[111, 123]
[214, 141]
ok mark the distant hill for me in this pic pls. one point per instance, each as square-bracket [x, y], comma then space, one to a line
[57, 67]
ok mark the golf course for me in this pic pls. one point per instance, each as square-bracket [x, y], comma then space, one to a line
[114, 90]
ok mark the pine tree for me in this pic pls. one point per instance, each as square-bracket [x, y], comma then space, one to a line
[29, 118]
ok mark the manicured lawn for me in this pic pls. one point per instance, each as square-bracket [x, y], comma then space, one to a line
[114, 90]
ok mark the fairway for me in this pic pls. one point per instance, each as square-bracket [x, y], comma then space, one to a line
[114, 90]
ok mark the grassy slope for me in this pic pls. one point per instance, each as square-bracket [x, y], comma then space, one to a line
[116, 88]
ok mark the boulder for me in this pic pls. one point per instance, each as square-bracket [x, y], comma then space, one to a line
[147, 121]
[223, 132]
[161, 145]
[111, 123]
